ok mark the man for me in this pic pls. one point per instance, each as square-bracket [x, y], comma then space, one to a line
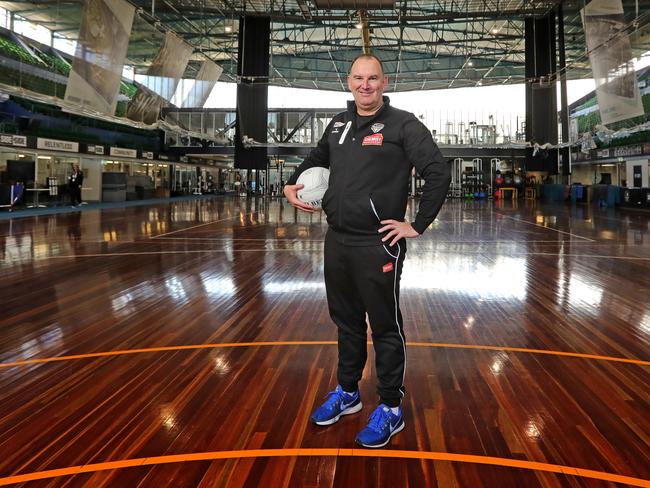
[370, 150]
[75, 180]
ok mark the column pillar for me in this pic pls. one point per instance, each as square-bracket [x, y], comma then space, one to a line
[252, 90]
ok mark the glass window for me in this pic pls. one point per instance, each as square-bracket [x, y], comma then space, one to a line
[128, 72]
[4, 18]
[33, 31]
[64, 44]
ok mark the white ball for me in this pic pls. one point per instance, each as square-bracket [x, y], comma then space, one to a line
[316, 180]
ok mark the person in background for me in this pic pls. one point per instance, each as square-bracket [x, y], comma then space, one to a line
[75, 180]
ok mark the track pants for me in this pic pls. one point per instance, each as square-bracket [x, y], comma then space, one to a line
[362, 280]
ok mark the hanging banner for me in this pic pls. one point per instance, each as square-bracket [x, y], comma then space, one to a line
[610, 55]
[161, 80]
[94, 80]
[203, 84]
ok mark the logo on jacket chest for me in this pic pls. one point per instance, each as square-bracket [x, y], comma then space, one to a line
[373, 140]
[337, 126]
[376, 127]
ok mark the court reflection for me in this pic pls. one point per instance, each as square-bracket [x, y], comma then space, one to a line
[491, 278]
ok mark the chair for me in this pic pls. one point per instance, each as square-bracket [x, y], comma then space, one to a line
[15, 194]
[512, 189]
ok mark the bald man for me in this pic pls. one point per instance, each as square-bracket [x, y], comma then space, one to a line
[370, 150]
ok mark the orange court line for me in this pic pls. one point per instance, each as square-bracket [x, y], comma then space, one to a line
[316, 343]
[304, 452]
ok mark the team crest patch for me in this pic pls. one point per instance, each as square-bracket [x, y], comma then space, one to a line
[376, 127]
[387, 268]
[339, 124]
[373, 140]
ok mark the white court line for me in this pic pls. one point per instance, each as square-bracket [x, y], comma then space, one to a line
[194, 227]
[548, 228]
[207, 251]
[238, 239]
[435, 241]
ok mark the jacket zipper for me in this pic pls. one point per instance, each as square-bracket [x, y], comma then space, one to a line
[351, 124]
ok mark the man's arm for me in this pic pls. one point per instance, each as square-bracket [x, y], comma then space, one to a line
[319, 156]
[430, 164]
[432, 167]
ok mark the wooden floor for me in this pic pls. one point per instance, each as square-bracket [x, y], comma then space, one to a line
[185, 345]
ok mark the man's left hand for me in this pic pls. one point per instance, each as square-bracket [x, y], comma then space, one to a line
[397, 230]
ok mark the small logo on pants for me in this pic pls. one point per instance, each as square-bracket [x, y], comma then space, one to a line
[387, 268]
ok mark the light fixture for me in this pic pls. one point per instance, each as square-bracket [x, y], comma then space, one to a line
[228, 29]
[469, 63]
[495, 30]
[358, 25]
[45, 157]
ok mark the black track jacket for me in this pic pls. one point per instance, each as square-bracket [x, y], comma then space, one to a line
[370, 168]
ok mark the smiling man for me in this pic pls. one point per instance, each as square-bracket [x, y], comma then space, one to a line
[370, 150]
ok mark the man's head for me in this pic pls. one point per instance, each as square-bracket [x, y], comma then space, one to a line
[367, 83]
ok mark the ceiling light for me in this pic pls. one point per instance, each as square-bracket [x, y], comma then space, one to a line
[358, 25]
[495, 30]
[228, 28]
[469, 63]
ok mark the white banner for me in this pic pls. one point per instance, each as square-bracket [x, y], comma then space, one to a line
[124, 153]
[94, 80]
[56, 145]
[202, 86]
[610, 55]
[161, 79]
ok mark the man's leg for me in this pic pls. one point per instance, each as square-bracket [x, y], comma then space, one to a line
[348, 313]
[346, 310]
[378, 277]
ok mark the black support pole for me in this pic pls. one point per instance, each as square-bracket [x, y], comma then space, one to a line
[541, 98]
[565, 153]
[252, 91]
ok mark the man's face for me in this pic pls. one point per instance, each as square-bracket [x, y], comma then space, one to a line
[367, 84]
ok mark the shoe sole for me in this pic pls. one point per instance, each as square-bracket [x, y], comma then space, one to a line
[376, 446]
[347, 411]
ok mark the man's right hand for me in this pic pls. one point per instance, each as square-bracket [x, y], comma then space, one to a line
[291, 192]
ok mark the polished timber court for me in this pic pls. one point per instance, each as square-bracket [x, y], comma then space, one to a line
[186, 344]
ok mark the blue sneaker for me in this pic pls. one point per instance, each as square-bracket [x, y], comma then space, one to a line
[383, 425]
[338, 403]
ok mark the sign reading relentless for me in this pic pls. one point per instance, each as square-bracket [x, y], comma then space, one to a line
[124, 153]
[55, 145]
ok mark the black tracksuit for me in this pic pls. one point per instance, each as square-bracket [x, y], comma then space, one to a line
[370, 161]
[75, 182]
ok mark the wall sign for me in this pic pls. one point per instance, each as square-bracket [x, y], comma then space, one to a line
[56, 145]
